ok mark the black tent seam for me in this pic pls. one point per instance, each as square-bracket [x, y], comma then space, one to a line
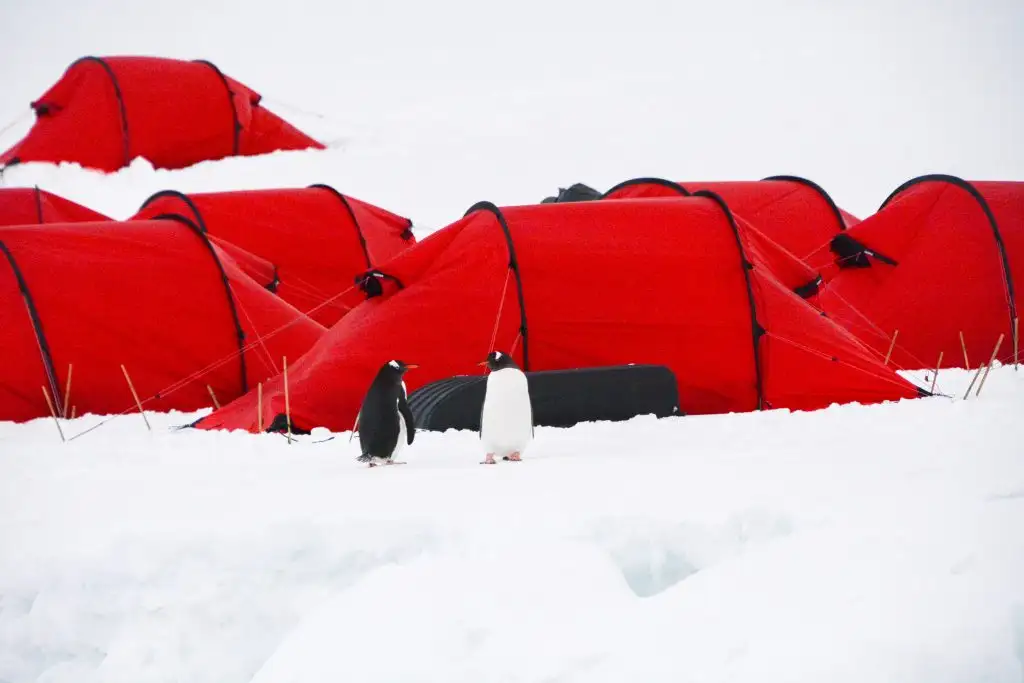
[670, 184]
[970, 189]
[756, 330]
[37, 325]
[201, 224]
[39, 205]
[240, 333]
[352, 215]
[236, 128]
[817, 188]
[514, 266]
[120, 102]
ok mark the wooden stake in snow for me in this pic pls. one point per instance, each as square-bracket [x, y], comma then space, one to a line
[213, 397]
[259, 407]
[1016, 339]
[963, 345]
[73, 412]
[53, 413]
[989, 365]
[892, 345]
[136, 397]
[67, 393]
[935, 378]
[287, 403]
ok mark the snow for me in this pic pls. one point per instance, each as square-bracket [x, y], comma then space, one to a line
[857, 543]
[849, 544]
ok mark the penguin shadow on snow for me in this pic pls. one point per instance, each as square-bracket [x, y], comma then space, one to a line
[386, 425]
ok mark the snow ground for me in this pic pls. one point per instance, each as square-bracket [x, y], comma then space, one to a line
[858, 543]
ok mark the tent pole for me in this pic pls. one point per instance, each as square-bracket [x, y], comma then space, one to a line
[53, 412]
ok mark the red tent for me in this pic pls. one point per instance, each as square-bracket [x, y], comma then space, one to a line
[941, 257]
[106, 111]
[156, 296]
[318, 239]
[662, 281]
[28, 206]
[794, 212]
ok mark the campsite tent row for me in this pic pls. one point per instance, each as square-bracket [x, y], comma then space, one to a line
[602, 323]
[104, 112]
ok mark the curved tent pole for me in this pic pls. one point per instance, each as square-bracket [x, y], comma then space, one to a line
[197, 215]
[236, 124]
[970, 189]
[757, 331]
[817, 188]
[37, 325]
[352, 215]
[239, 332]
[670, 184]
[514, 266]
[120, 102]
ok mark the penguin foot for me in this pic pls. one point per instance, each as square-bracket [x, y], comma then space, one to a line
[489, 460]
[515, 457]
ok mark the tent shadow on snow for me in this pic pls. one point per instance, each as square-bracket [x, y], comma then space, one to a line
[677, 282]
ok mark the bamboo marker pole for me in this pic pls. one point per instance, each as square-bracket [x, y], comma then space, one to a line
[136, 397]
[73, 412]
[213, 397]
[1016, 339]
[892, 345]
[935, 378]
[990, 362]
[287, 402]
[963, 345]
[67, 393]
[53, 413]
[259, 407]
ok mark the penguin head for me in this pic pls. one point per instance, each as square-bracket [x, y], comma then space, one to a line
[497, 360]
[396, 368]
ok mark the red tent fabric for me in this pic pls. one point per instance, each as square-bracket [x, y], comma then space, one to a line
[28, 206]
[941, 257]
[661, 281]
[317, 239]
[794, 212]
[156, 296]
[106, 111]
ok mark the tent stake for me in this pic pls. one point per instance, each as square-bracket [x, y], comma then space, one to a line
[967, 363]
[1015, 343]
[287, 403]
[73, 412]
[136, 397]
[53, 413]
[892, 345]
[989, 366]
[935, 378]
[67, 393]
[213, 397]
[259, 407]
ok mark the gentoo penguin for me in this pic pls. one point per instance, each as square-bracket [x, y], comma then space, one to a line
[385, 422]
[506, 418]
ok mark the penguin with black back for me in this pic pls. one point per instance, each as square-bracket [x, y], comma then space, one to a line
[385, 422]
[506, 417]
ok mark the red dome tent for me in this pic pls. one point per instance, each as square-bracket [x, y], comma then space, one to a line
[106, 111]
[941, 257]
[674, 282]
[318, 239]
[156, 296]
[794, 212]
[28, 206]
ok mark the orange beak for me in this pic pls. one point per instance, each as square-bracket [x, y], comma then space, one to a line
[482, 363]
[411, 366]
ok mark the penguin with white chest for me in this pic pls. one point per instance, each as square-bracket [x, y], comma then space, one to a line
[506, 418]
[385, 422]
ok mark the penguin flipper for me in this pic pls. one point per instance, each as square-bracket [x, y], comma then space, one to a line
[406, 413]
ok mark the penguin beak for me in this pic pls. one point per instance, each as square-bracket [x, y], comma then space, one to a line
[482, 363]
[411, 366]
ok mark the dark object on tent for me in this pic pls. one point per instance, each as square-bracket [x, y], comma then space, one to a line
[561, 398]
[578, 192]
[852, 254]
